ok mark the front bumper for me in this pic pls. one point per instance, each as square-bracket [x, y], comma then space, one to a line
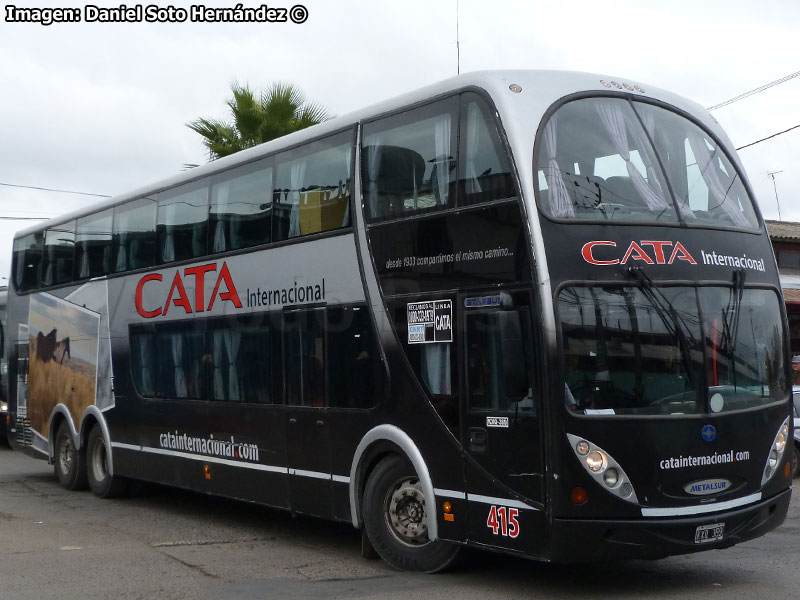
[577, 540]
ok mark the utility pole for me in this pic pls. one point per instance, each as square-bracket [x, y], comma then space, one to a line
[775, 187]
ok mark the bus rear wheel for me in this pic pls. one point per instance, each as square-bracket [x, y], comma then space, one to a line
[70, 462]
[101, 481]
[395, 519]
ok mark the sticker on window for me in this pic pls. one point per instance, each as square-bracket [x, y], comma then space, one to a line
[430, 322]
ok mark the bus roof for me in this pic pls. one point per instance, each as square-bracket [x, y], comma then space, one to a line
[539, 90]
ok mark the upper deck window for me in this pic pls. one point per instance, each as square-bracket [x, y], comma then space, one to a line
[605, 159]
[434, 157]
[241, 207]
[312, 187]
[182, 222]
[27, 258]
[59, 251]
[93, 245]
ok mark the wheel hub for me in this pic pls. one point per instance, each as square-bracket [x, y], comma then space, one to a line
[406, 513]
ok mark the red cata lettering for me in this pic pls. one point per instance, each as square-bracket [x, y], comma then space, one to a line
[147, 314]
[636, 251]
[177, 295]
[586, 251]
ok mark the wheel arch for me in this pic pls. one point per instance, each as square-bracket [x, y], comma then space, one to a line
[376, 444]
[60, 414]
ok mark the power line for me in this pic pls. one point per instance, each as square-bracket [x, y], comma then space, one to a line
[31, 187]
[755, 91]
[769, 137]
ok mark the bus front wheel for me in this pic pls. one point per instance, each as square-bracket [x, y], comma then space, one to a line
[70, 462]
[395, 518]
[101, 481]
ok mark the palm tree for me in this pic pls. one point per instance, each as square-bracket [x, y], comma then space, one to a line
[281, 109]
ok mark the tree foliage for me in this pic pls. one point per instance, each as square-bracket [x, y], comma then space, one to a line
[257, 118]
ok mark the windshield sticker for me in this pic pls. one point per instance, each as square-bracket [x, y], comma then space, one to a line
[430, 322]
[683, 462]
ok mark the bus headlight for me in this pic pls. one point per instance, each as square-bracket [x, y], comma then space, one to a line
[595, 461]
[602, 467]
[776, 452]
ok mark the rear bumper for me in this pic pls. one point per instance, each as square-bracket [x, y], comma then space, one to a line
[584, 540]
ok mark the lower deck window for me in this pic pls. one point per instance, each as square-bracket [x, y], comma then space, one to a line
[303, 357]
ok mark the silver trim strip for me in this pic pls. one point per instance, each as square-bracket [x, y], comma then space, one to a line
[450, 494]
[311, 474]
[233, 463]
[202, 458]
[501, 501]
[700, 509]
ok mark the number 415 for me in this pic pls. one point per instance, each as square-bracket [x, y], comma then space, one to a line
[503, 521]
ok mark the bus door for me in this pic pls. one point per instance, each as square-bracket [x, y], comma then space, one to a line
[501, 418]
[308, 456]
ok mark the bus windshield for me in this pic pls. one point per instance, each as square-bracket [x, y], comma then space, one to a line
[613, 159]
[670, 350]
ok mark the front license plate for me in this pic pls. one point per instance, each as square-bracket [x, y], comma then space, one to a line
[709, 533]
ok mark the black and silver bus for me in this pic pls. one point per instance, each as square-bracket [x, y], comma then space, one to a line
[532, 312]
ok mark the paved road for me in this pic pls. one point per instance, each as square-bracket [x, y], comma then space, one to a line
[164, 544]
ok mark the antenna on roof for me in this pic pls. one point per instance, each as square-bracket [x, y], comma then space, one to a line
[458, 46]
[775, 187]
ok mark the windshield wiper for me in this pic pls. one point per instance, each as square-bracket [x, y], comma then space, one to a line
[672, 321]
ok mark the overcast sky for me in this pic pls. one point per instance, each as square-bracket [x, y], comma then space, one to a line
[102, 107]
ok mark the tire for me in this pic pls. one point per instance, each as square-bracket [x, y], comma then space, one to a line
[394, 510]
[103, 484]
[796, 467]
[70, 462]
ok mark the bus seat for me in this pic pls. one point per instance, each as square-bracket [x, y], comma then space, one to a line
[620, 190]
[399, 176]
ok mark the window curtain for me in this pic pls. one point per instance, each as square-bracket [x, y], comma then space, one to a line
[168, 251]
[560, 202]
[473, 186]
[649, 120]
[706, 158]
[220, 200]
[436, 368]
[373, 171]
[84, 269]
[617, 122]
[441, 141]
[219, 387]
[145, 355]
[181, 390]
[232, 342]
[121, 225]
[343, 191]
[236, 229]
[298, 173]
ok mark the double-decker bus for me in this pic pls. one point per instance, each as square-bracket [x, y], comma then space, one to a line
[3, 365]
[532, 312]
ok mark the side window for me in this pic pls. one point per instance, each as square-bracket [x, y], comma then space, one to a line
[499, 358]
[134, 235]
[59, 253]
[182, 222]
[304, 357]
[27, 259]
[241, 207]
[312, 187]
[484, 171]
[93, 245]
[409, 161]
[354, 365]
[216, 360]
